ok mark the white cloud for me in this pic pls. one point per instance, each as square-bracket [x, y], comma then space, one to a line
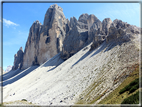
[9, 23]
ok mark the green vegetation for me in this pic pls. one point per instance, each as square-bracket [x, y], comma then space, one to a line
[86, 96]
[128, 87]
[125, 90]
[133, 99]
[134, 88]
[1, 105]
[134, 85]
[19, 102]
[23, 100]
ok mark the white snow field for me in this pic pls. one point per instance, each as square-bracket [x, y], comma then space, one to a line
[84, 76]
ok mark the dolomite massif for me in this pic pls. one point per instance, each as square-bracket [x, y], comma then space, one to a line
[59, 35]
[75, 54]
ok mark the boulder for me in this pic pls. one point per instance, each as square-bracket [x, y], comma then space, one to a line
[114, 34]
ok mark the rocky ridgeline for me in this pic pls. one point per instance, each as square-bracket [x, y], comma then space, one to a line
[58, 34]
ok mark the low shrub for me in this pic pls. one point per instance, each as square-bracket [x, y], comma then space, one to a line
[23, 100]
[136, 81]
[134, 85]
[133, 99]
[126, 88]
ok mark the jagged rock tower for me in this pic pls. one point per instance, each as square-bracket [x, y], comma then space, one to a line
[18, 58]
[45, 40]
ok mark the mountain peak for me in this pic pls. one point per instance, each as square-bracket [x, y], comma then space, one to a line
[21, 49]
[56, 6]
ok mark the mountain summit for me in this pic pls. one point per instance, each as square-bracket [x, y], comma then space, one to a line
[46, 40]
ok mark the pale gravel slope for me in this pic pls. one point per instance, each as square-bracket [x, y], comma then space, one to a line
[73, 79]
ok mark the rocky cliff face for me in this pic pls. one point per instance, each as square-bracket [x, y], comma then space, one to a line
[117, 31]
[83, 31]
[121, 31]
[18, 58]
[52, 34]
[99, 31]
[94, 27]
[46, 40]
[31, 48]
[58, 34]
[76, 37]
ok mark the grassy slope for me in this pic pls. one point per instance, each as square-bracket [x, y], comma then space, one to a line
[114, 97]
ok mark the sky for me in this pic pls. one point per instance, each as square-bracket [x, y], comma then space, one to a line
[18, 18]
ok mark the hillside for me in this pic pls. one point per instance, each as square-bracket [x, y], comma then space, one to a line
[74, 78]
[72, 62]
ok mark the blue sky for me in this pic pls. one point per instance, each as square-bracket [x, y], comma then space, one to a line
[18, 18]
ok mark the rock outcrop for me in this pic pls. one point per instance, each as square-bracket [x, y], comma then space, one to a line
[18, 58]
[83, 18]
[53, 33]
[94, 27]
[31, 48]
[88, 28]
[117, 31]
[99, 32]
[121, 31]
[106, 23]
[46, 40]
[77, 36]
[98, 40]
